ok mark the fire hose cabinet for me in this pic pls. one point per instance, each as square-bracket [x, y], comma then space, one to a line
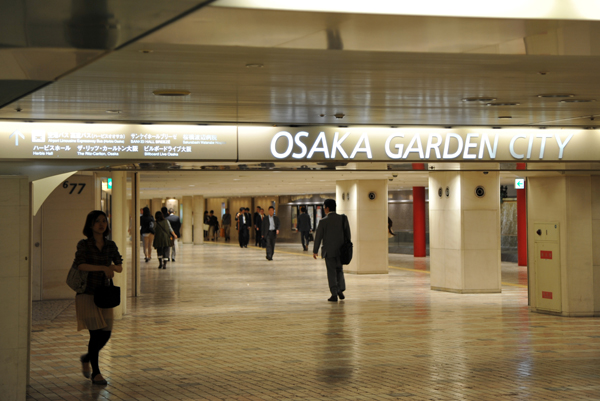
[547, 267]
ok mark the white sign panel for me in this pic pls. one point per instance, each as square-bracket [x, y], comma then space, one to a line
[520, 183]
[117, 141]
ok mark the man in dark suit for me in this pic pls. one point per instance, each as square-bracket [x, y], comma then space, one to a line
[248, 226]
[242, 226]
[270, 229]
[257, 220]
[331, 231]
[304, 226]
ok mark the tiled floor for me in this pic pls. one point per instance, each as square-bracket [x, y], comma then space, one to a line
[222, 323]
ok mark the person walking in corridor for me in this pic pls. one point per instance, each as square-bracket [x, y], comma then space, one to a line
[226, 223]
[257, 225]
[270, 230]
[175, 223]
[242, 226]
[331, 230]
[147, 225]
[304, 226]
[100, 257]
[162, 241]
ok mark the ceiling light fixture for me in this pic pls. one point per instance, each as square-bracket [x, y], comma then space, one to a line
[339, 115]
[171, 92]
[555, 95]
[578, 100]
[478, 99]
[505, 117]
[113, 111]
[503, 104]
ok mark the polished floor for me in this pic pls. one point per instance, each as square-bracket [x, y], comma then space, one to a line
[223, 323]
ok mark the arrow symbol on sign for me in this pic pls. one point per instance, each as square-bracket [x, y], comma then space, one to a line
[17, 134]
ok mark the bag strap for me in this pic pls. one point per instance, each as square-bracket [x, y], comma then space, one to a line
[344, 224]
[168, 233]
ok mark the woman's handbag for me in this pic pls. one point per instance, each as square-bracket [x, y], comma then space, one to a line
[107, 296]
[346, 249]
[77, 279]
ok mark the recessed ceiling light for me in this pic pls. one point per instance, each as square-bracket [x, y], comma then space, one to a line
[555, 95]
[171, 92]
[577, 100]
[254, 65]
[505, 117]
[503, 104]
[478, 99]
[113, 111]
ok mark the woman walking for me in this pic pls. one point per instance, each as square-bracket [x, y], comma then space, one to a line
[147, 230]
[162, 242]
[101, 259]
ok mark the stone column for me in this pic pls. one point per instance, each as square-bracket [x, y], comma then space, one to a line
[119, 226]
[572, 203]
[368, 223]
[198, 220]
[15, 288]
[186, 223]
[464, 231]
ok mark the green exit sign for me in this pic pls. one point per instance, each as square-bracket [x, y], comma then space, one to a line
[109, 185]
[520, 183]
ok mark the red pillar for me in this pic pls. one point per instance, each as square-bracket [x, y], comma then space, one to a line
[522, 220]
[419, 235]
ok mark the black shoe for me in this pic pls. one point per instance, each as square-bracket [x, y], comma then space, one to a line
[146, 260]
[173, 260]
[341, 295]
[159, 267]
[101, 382]
[333, 299]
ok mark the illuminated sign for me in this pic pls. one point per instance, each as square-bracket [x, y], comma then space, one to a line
[117, 141]
[109, 183]
[520, 183]
[28, 141]
[417, 144]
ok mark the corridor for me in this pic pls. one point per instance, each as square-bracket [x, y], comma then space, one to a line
[223, 323]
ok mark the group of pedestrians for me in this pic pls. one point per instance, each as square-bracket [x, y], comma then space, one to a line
[100, 258]
[210, 220]
[161, 232]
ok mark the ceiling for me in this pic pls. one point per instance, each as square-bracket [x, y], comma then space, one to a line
[281, 67]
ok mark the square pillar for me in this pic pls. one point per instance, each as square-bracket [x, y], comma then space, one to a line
[119, 225]
[573, 203]
[464, 227]
[15, 288]
[368, 223]
[186, 221]
[198, 208]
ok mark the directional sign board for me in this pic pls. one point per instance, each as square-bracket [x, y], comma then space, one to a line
[117, 141]
[520, 183]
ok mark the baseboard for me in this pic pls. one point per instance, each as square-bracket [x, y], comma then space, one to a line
[369, 272]
[460, 291]
[565, 314]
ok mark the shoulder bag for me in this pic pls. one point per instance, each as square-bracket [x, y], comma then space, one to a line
[107, 296]
[77, 279]
[346, 249]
